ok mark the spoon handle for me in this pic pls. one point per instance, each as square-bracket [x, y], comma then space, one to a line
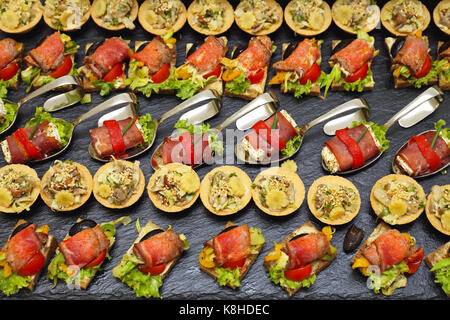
[198, 98]
[60, 82]
[265, 98]
[353, 104]
[123, 98]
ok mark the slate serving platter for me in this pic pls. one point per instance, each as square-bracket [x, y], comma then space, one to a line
[186, 281]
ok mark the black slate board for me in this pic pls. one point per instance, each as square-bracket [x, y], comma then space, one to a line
[186, 281]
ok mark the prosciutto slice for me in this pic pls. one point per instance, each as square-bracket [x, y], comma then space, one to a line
[8, 51]
[155, 54]
[159, 249]
[354, 56]
[388, 249]
[412, 54]
[42, 139]
[101, 140]
[415, 160]
[174, 151]
[367, 144]
[84, 246]
[49, 55]
[232, 245]
[301, 60]
[22, 247]
[257, 55]
[306, 249]
[110, 53]
[208, 55]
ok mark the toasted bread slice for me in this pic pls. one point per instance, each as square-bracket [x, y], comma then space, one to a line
[437, 255]
[251, 258]
[306, 228]
[48, 250]
[400, 82]
[443, 84]
[339, 87]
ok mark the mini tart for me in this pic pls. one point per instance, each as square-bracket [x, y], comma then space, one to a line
[307, 32]
[350, 29]
[332, 180]
[298, 186]
[84, 175]
[149, 28]
[437, 16]
[99, 21]
[38, 15]
[138, 190]
[35, 191]
[391, 29]
[227, 23]
[49, 21]
[243, 179]
[154, 196]
[435, 221]
[269, 30]
[377, 206]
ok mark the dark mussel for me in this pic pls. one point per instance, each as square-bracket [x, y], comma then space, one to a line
[397, 46]
[142, 45]
[444, 47]
[353, 238]
[151, 234]
[20, 228]
[193, 48]
[227, 229]
[236, 52]
[341, 45]
[82, 225]
[94, 46]
[289, 49]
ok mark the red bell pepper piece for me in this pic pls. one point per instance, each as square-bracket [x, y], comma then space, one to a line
[352, 146]
[21, 136]
[115, 134]
[414, 260]
[263, 130]
[427, 151]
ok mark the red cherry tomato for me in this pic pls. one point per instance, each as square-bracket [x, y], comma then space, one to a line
[162, 74]
[97, 260]
[63, 69]
[256, 77]
[215, 72]
[234, 264]
[9, 71]
[153, 270]
[33, 265]
[312, 74]
[298, 274]
[114, 73]
[425, 68]
[414, 260]
[360, 74]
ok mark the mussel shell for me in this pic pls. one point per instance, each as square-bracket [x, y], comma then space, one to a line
[151, 234]
[289, 50]
[93, 48]
[82, 225]
[20, 228]
[297, 236]
[236, 52]
[227, 229]
[397, 46]
[341, 45]
[353, 238]
[193, 48]
[444, 47]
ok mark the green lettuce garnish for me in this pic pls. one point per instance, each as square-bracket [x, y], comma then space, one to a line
[105, 87]
[227, 276]
[148, 127]
[442, 273]
[4, 85]
[64, 128]
[13, 283]
[292, 146]
[443, 68]
[216, 145]
[390, 279]
[302, 89]
[276, 275]
[11, 110]
[378, 131]
[145, 285]
[238, 85]
[419, 82]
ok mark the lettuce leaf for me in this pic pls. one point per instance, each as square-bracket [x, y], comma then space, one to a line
[4, 85]
[11, 110]
[13, 283]
[276, 275]
[140, 80]
[379, 132]
[29, 74]
[405, 73]
[64, 128]
[292, 146]
[105, 87]
[227, 276]
[215, 144]
[443, 68]
[238, 85]
[144, 285]
[389, 278]
[148, 126]
[442, 274]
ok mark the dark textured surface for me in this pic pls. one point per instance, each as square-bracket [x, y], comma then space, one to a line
[186, 281]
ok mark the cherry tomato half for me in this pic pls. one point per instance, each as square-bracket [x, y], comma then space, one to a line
[215, 72]
[312, 74]
[425, 68]
[97, 260]
[414, 260]
[63, 69]
[9, 71]
[162, 74]
[256, 77]
[360, 74]
[153, 270]
[298, 274]
[233, 264]
[114, 73]
[33, 265]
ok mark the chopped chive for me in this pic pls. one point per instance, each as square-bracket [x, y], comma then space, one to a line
[38, 121]
[275, 122]
[128, 126]
[362, 134]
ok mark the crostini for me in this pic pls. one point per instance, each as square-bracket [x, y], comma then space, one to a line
[229, 256]
[150, 259]
[11, 60]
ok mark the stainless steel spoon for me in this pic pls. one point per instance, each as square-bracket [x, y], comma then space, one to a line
[418, 109]
[123, 98]
[58, 102]
[194, 116]
[360, 105]
[259, 108]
